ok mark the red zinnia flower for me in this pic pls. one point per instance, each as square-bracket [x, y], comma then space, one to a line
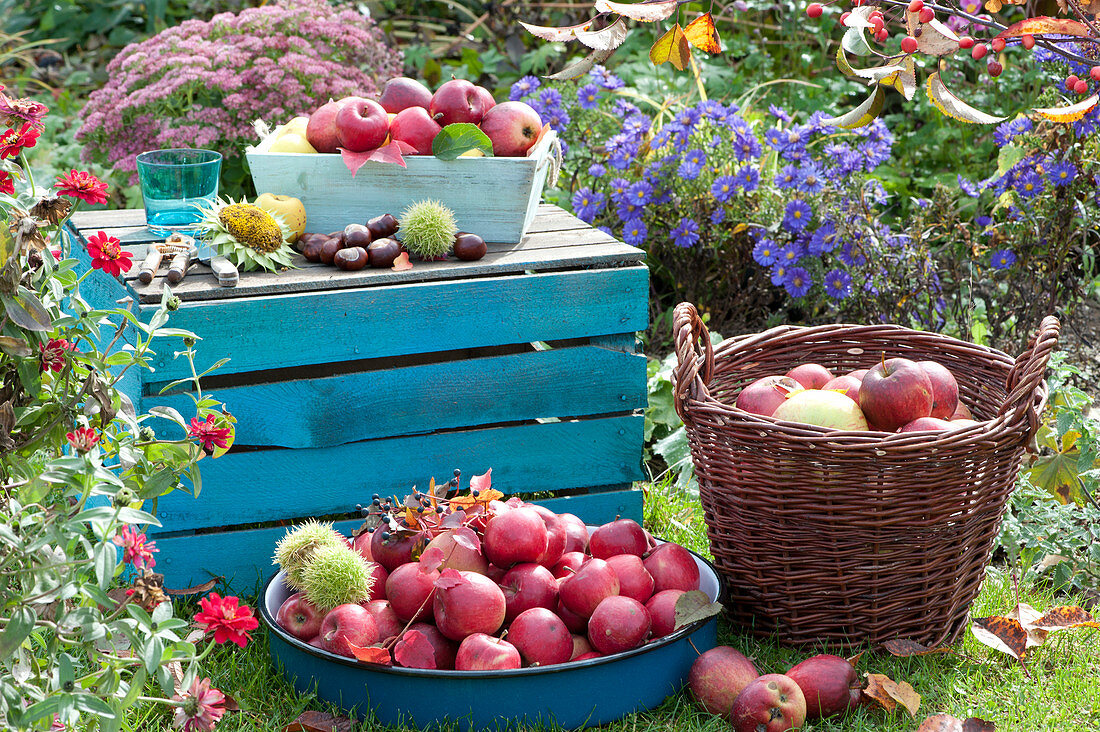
[7, 183]
[22, 110]
[83, 439]
[83, 185]
[12, 142]
[201, 707]
[228, 621]
[207, 434]
[53, 354]
[136, 548]
[107, 254]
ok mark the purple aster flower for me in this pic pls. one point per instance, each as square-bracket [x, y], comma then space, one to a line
[596, 170]
[694, 160]
[1002, 259]
[983, 221]
[723, 188]
[588, 96]
[717, 216]
[1029, 184]
[775, 138]
[798, 282]
[619, 187]
[745, 145]
[824, 239]
[550, 97]
[587, 204]
[765, 252]
[523, 87]
[797, 215]
[686, 233]
[787, 177]
[640, 193]
[851, 255]
[838, 284]
[811, 179]
[1061, 173]
[779, 113]
[748, 178]
[779, 274]
[660, 139]
[605, 78]
[789, 255]
[624, 109]
[634, 232]
[1006, 132]
[968, 187]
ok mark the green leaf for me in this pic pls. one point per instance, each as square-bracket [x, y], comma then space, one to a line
[137, 683]
[694, 606]
[16, 631]
[106, 559]
[27, 312]
[151, 653]
[93, 705]
[458, 138]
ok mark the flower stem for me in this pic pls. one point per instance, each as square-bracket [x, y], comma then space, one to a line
[27, 171]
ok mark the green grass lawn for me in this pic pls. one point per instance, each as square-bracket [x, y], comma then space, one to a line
[1062, 693]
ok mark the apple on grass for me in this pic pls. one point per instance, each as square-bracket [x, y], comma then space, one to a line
[830, 685]
[718, 676]
[345, 625]
[401, 93]
[770, 703]
[361, 124]
[512, 127]
[894, 393]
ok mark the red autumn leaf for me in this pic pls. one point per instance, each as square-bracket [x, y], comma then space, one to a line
[371, 654]
[1006, 635]
[464, 536]
[1065, 616]
[454, 519]
[414, 650]
[431, 559]
[904, 648]
[449, 578]
[888, 693]
[402, 262]
[702, 34]
[231, 704]
[1045, 24]
[947, 723]
[672, 47]
[319, 722]
[387, 154]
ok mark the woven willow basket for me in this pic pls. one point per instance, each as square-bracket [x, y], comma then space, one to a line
[853, 537]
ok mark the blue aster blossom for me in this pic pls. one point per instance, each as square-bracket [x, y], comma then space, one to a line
[1061, 173]
[838, 284]
[765, 252]
[1002, 259]
[717, 216]
[968, 187]
[686, 233]
[587, 204]
[824, 239]
[723, 188]
[789, 255]
[640, 193]
[1006, 132]
[588, 96]
[619, 187]
[797, 215]
[779, 113]
[694, 161]
[748, 178]
[522, 88]
[596, 170]
[798, 282]
[634, 232]
[787, 177]
[811, 179]
[779, 274]
[1029, 184]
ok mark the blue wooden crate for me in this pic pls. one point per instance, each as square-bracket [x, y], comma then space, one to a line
[346, 384]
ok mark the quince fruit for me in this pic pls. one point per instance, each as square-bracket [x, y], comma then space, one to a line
[289, 208]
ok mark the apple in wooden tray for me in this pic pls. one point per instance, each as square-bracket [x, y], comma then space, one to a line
[894, 395]
[470, 580]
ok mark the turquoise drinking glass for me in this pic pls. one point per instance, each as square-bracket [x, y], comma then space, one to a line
[176, 184]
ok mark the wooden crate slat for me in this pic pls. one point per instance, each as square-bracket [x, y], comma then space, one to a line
[347, 325]
[244, 557]
[367, 405]
[268, 485]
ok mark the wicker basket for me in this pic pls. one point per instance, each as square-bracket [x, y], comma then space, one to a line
[853, 537]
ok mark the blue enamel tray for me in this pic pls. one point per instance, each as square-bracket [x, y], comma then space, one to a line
[570, 695]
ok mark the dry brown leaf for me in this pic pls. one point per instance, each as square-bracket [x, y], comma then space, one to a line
[947, 723]
[855, 659]
[888, 693]
[905, 648]
[1065, 616]
[1027, 615]
[197, 589]
[175, 668]
[1003, 634]
[319, 722]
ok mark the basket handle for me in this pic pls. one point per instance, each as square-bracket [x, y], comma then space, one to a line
[693, 351]
[1026, 376]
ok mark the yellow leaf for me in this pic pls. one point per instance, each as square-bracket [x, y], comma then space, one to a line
[673, 47]
[702, 34]
[954, 107]
[1071, 113]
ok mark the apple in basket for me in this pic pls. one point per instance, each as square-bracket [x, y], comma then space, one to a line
[829, 409]
[894, 393]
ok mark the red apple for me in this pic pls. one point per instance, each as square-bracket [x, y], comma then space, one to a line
[459, 555]
[847, 385]
[672, 568]
[580, 646]
[394, 550]
[962, 412]
[482, 652]
[321, 128]
[487, 101]
[894, 393]
[857, 374]
[361, 125]
[623, 536]
[360, 543]
[316, 642]
[515, 536]
[299, 617]
[575, 623]
[556, 535]
[402, 93]
[456, 101]
[927, 424]
[945, 390]
[586, 656]
[618, 624]
[415, 127]
[582, 591]
[764, 396]
[346, 624]
[830, 685]
[410, 591]
[576, 533]
[828, 409]
[541, 637]
[634, 580]
[528, 586]
[718, 676]
[811, 375]
[389, 625]
[662, 610]
[512, 127]
[466, 603]
[770, 703]
[379, 575]
[569, 563]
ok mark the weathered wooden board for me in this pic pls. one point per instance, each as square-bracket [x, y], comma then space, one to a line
[244, 557]
[345, 325]
[267, 485]
[429, 397]
[494, 197]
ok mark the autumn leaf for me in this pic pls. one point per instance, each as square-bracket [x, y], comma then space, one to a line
[947, 723]
[556, 35]
[449, 578]
[646, 12]
[371, 654]
[1006, 635]
[888, 693]
[465, 537]
[694, 606]
[197, 589]
[905, 648]
[431, 559]
[582, 67]
[402, 262]
[1045, 24]
[1063, 617]
[387, 154]
[605, 39]
[672, 47]
[855, 659]
[702, 34]
[482, 482]
[934, 38]
[1027, 615]
[319, 722]
[1071, 113]
[862, 115]
[955, 108]
[414, 650]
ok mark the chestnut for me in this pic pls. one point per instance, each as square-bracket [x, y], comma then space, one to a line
[383, 226]
[360, 237]
[338, 235]
[469, 246]
[383, 252]
[329, 249]
[300, 244]
[351, 258]
[311, 250]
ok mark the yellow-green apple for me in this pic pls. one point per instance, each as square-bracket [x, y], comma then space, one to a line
[291, 142]
[291, 209]
[829, 409]
[401, 92]
[512, 127]
[296, 126]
